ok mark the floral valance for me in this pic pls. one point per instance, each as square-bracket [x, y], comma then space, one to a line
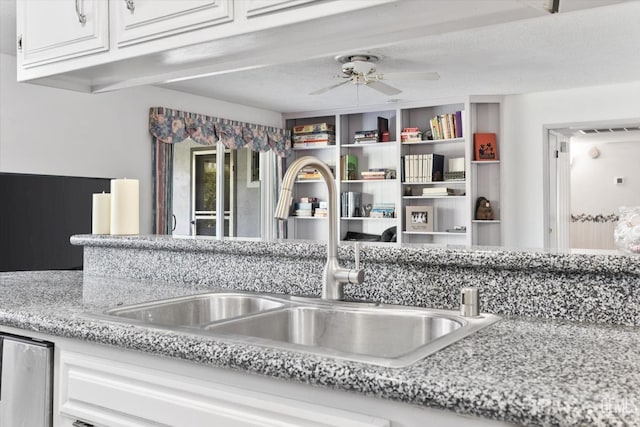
[173, 126]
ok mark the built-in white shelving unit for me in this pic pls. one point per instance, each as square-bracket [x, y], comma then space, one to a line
[453, 216]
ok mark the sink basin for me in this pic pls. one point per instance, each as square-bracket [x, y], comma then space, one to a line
[195, 310]
[378, 333]
[385, 335]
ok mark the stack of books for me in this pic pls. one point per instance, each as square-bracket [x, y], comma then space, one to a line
[322, 210]
[366, 137]
[378, 173]
[446, 126]
[314, 135]
[422, 168]
[410, 135]
[438, 191]
[305, 207]
[309, 173]
[383, 210]
[373, 174]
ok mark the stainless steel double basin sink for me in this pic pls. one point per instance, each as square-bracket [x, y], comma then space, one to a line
[386, 335]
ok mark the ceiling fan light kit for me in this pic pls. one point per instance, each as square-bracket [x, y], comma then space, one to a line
[360, 69]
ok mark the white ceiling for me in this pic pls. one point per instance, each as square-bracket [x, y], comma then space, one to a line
[586, 44]
[596, 46]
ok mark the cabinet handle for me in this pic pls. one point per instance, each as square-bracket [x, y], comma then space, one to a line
[130, 5]
[81, 16]
[78, 423]
[20, 42]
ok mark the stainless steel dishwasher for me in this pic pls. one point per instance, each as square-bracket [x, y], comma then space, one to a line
[26, 382]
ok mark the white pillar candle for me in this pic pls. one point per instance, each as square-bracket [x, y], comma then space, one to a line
[125, 206]
[101, 213]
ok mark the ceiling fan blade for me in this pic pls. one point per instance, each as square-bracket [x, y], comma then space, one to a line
[419, 75]
[383, 87]
[328, 88]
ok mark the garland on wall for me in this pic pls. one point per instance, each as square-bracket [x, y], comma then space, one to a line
[168, 127]
[594, 218]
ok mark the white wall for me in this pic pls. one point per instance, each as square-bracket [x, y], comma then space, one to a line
[593, 187]
[53, 131]
[522, 154]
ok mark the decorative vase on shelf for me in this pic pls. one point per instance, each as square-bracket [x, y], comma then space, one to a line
[627, 232]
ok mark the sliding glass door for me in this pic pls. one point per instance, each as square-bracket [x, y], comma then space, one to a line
[204, 191]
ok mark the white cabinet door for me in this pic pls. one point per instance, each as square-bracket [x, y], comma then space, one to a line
[143, 20]
[108, 393]
[55, 30]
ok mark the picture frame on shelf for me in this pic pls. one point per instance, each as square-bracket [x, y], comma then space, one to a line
[485, 147]
[419, 218]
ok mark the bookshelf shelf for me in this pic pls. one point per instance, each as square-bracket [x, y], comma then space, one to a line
[370, 145]
[436, 141]
[365, 218]
[432, 197]
[485, 162]
[308, 217]
[450, 182]
[363, 181]
[434, 233]
[486, 221]
[322, 147]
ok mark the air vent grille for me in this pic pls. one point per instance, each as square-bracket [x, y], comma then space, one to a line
[609, 130]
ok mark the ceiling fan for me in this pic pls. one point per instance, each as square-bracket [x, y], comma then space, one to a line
[360, 69]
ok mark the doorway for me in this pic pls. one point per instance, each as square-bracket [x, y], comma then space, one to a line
[591, 172]
[204, 193]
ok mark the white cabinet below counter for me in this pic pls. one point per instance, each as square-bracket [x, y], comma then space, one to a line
[97, 391]
[103, 386]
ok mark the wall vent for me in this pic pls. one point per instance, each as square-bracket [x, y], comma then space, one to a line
[609, 130]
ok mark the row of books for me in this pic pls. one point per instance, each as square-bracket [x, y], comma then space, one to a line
[314, 135]
[349, 167]
[422, 168]
[350, 204]
[446, 126]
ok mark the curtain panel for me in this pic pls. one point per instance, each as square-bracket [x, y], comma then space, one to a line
[168, 126]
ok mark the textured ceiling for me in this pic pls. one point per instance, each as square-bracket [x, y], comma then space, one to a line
[589, 47]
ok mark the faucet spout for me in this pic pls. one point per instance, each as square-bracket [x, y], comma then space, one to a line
[334, 277]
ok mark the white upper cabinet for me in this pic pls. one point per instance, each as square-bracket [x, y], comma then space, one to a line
[143, 20]
[56, 30]
[262, 7]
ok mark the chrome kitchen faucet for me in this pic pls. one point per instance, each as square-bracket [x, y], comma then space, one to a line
[334, 277]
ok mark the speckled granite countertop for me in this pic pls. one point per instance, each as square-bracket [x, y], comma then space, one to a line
[522, 371]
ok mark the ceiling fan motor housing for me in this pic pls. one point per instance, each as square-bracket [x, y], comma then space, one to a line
[358, 68]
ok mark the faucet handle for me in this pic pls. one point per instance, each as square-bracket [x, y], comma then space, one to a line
[356, 276]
